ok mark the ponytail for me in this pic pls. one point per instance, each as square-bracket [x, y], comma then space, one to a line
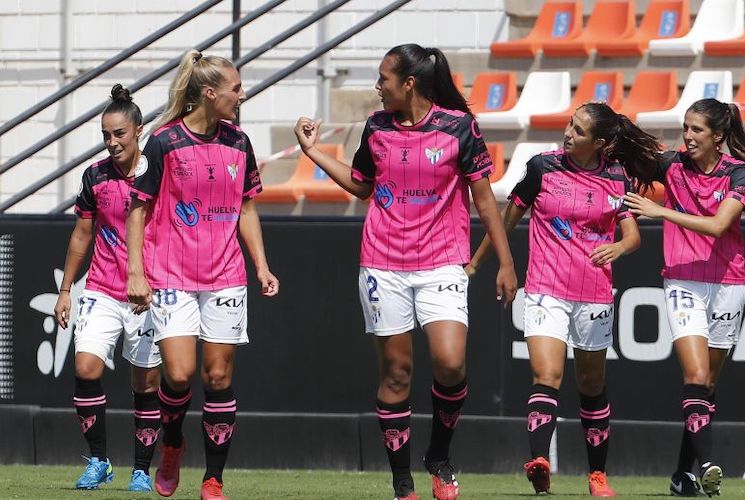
[121, 102]
[736, 135]
[185, 93]
[431, 72]
[631, 146]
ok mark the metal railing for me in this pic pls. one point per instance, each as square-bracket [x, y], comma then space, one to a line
[240, 62]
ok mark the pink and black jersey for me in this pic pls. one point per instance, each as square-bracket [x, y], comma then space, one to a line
[573, 211]
[419, 219]
[199, 184]
[690, 255]
[105, 197]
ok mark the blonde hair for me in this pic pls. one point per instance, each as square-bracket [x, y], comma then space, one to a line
[185, 93]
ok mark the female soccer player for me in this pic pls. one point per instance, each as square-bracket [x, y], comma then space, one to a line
[575, 195]
[103, 310]
[198, 191]
[418, 157]
[704, 273]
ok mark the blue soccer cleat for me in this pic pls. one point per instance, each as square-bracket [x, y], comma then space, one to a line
[140, 481]
[95, 474]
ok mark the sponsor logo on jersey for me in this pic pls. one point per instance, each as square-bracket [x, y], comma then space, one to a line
[384, 194]
[562, 227]
[110, 235]
[142, 165]
[615, 202]
[232, 170]
[188, 214]
[433, 154]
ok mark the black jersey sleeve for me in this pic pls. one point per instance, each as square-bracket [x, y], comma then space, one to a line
[525, 192]
[664, 160]
[737, 183]
[148, 178]
[252, 182]
[363, 166]
[473, 157]
[85, 204]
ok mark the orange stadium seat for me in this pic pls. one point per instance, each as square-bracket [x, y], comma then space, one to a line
[604, 86]
[557, 20]
[609, 19]
[663, 19]
[458, 81]
[658, 195]
[733, 47]
[493, 91]
[308, 181]
[496, 151]
[651, 91]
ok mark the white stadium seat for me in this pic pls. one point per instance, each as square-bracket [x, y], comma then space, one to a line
[700, 84]
[543, 93]
[716, 20]
[524, 151]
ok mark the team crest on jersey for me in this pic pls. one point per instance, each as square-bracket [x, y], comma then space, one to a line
[141, 167]
[718, 195]
[232, 170]
[614, 202]
[433, 154]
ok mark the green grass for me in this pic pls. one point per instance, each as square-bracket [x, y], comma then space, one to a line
[47, 482]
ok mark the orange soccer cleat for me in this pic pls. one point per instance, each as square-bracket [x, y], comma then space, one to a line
[538, 471]
[599, 486]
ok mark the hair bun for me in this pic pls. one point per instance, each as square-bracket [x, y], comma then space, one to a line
[120, 93]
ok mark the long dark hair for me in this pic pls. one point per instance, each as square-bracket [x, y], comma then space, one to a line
[431, 73]
[121, 102]
[723, 117]
[631, 146]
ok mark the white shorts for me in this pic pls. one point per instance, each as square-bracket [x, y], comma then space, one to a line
[100, 321]
[581, 325]
[711, 310]
[218, 317]
[393, 301]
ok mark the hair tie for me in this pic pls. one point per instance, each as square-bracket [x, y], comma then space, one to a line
[197, 57]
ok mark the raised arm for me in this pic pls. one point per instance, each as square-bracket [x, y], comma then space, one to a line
[716, 225]
[306, 131]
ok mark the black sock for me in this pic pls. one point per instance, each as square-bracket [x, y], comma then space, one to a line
[542, 406]
[697, 420]
[687, 456]
[218, 422]
[446, 405]
[173, 408]
[147, 428]
[594, 414]
[90, 404]
[395, 423]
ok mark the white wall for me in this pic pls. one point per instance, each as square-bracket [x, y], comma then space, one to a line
[32, 34]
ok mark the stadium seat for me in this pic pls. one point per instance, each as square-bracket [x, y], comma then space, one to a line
[716, 20]
[556, 20]
[700, 84]
[739, 99]
[609, 20]
[544, 92]
[496, 151]
[493, 91]
[663, 19]
[651, 91]
[604, 86]
[524, 151]
[731, 47]
[308, 181]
